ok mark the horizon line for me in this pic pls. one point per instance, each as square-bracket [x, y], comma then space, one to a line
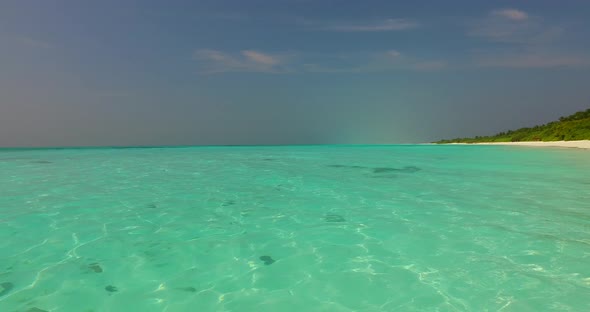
[189, 146]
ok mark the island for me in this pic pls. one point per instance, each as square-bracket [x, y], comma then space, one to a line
[569, 131]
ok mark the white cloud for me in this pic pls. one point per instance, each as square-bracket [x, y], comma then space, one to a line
[260, 58]
[216, 61]
[393, 53]
[392, 24]
[532, 42]
[514, 26]
[511, 14]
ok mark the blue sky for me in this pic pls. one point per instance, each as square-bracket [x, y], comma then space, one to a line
[286, 72]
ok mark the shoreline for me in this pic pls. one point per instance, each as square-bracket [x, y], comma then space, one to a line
[582, 144]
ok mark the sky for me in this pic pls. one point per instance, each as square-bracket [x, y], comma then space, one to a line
[124, 72]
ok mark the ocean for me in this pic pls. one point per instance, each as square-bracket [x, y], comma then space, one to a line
[295, 228]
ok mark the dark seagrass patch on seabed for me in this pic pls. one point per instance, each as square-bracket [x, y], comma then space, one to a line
[5, 288]
[410, 169]
[228, 203]
[268, 260]
[95, 267]
[334, 218]
[406, 169]
[382, 170]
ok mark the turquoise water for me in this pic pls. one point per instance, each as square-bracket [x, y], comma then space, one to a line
[307, 228]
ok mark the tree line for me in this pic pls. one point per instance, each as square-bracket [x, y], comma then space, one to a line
[568, 128]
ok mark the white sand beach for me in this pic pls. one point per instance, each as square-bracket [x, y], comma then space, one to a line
[585, 144]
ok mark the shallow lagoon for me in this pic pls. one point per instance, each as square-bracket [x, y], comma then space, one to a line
[302, 228]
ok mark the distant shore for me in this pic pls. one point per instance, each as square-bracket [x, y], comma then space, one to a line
[585, 144]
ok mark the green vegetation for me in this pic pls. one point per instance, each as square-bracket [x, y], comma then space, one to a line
[573, 127]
